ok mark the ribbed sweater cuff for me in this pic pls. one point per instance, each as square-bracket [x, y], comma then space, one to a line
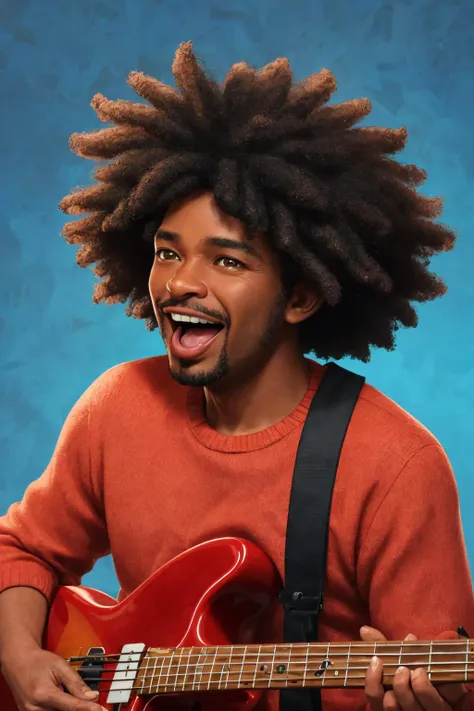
[28, 575]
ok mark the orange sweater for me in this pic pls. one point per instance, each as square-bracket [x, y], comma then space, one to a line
[138, 472]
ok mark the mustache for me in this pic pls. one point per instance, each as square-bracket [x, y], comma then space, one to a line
[195, 307]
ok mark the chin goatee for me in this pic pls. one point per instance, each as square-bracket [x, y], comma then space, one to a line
[201, 378]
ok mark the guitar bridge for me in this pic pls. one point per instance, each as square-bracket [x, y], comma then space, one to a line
[91, 670]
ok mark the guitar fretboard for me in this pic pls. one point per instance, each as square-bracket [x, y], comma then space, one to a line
[266, 666]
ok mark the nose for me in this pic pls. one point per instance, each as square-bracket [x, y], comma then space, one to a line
[186, 283]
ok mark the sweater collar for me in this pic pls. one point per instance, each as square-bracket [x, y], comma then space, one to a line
[211, 439]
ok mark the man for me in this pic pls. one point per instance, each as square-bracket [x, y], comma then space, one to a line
[253, 224]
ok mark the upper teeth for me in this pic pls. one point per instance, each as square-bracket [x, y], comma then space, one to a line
[188, 319]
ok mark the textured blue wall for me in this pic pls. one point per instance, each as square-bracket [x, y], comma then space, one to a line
[413, 58]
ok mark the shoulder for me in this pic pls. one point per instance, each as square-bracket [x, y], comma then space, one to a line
[134, 383]
[387, 428]
[394, 473]
[387, 450]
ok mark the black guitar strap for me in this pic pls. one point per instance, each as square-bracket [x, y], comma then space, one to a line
[308, 516]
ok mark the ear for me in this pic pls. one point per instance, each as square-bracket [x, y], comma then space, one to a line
[303, 303]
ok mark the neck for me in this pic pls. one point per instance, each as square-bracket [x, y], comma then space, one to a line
[269, 666]
[260, 399]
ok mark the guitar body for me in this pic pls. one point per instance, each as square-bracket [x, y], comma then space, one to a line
[215, 593]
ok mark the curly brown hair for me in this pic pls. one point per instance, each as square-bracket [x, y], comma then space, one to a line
[342, 215]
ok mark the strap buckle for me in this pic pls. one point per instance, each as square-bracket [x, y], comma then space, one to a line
[300, 604]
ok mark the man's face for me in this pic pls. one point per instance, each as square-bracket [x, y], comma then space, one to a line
[214, 273]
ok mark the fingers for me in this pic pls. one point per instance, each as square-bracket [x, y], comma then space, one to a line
[370, 634]
[378, 698]
[80, 697]
[412, 691]
[403, 691]
[425, 692]
[390, 702]
[75, 685]
[441, 699]
[59, 701]
[374, 690]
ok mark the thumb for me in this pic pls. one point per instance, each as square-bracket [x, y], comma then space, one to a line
[370, 634]
[73, 682]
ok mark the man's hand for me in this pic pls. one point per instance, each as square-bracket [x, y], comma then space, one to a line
[412, 691]
[36, 679]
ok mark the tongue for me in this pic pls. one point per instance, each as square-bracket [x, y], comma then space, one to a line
[195, 337]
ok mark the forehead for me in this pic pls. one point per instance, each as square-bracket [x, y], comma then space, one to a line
[199, 216]
[197, 220]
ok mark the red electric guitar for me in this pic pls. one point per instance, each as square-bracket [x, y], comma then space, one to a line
[187, 635]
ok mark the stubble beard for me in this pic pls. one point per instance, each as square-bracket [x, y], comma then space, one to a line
[201, 378]
[185, 375]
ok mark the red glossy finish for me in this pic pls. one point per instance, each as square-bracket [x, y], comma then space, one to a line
[215, 593]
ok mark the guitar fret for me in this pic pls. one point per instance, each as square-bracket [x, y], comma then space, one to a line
[146, 673]
[212, 668]
[168, 672]
[178, 659]
[467, 660]
[158, 685]
[186, 669]
[306, 661]
[177, 668]
[347, 664]
[272, 666]
[152, 675]
[400, 655]
[198, 669]
[230, 667]
[430, 660]
[256, 665]
[288, 665]
[190, 656]
[323, 679]
[219, 683]
[177, 665]
[244, 654]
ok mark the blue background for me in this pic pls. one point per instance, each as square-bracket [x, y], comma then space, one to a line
[413, 58]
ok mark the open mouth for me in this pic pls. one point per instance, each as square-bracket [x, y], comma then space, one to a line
[191, 334]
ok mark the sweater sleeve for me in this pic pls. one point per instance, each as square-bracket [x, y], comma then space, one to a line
[413, 568]
[57, 532]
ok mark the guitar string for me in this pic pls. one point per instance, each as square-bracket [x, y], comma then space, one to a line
[335, 646]
[238, 664]
[275, 680]
[332, 669]
[311, 658]
[176, 675]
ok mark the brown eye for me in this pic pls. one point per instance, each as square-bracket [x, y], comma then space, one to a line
[165, 255]
[230, 263]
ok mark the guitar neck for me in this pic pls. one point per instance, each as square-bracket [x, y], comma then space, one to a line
[266, 666]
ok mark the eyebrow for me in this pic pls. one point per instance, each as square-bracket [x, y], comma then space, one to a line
[225, 242]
